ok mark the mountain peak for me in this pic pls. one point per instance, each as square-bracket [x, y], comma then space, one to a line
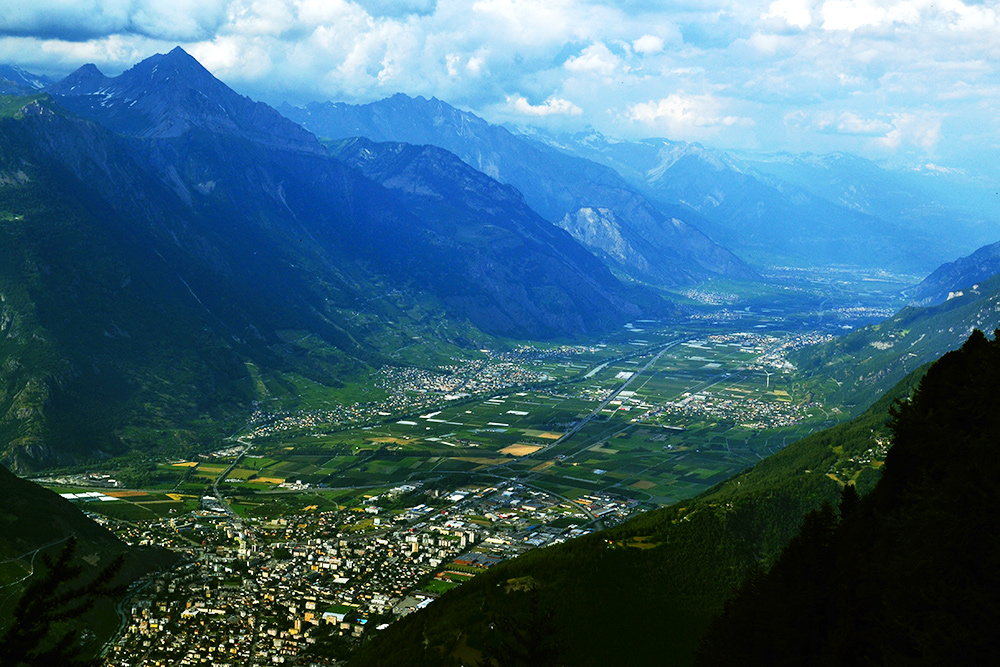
[168, 95]
[178, 61]
[84, 81]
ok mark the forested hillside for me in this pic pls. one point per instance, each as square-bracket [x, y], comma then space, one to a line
[908, 574]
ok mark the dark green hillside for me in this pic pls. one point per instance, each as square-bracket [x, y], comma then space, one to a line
[909, 574]
[868, 361]
[87, 362]
[35, 522]
[643, 592]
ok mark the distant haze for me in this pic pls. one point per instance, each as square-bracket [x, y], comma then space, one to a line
[909, 82]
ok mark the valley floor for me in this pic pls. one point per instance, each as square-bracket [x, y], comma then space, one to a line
[306, 534]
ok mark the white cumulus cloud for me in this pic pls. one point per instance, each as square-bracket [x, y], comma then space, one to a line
[648, 44]
[551, 106]
[684, 116]
[595, 59]
[797, 13]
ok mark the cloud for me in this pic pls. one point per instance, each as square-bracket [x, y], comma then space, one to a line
[913, 130]
[684, 116]
[796, 13]
[551, 106]
[851, 123]
[648, 44]
[82, 20]
[857, 65]
[595, 59]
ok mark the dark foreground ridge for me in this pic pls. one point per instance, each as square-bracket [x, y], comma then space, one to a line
[909, 574]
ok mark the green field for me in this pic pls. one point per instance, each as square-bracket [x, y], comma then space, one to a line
[689, 410]
[702, 411]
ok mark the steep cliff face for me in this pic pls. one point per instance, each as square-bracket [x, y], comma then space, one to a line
[661, 249]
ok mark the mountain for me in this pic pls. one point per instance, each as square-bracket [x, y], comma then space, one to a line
[162, 232]
[928, 199]
[168, 96]
[16, 81]
[867, 361]
[589, 200]
[951, 278]
[643, 592]
[774, 216]
[208, 133]
[908, 574]
[484, 229]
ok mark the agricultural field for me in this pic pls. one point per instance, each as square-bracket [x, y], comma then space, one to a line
[654, 416]
[649, 414]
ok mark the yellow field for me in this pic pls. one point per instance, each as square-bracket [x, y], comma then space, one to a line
[482, 460]
[543, 466]
[391, 441]
[267, 480]
[185, 464]
[211, 468]
[179, 496]
[642, 484]
[603, 450]
[544, 435]
[520, 450]
[125, 494]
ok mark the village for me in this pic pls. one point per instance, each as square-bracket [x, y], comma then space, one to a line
[304, 589]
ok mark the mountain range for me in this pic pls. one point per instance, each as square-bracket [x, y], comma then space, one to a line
[814, 210]
[588, 199]
[643, 204]
[162, 231]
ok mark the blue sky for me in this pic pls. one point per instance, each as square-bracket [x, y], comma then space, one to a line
[910, 82]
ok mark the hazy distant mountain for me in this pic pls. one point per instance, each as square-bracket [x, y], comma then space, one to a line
[16, 81]
[589, 200]
[958, 210]
[182, 231]
[951, 278]
[789, 214]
